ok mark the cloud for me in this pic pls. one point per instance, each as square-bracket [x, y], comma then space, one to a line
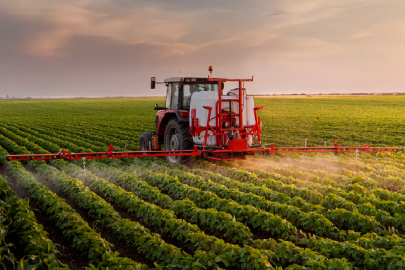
[144, 24]
[380, 30]
[90, 46]
[278, 12]
[379, 6]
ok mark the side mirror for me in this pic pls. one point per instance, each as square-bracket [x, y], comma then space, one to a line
[152, 83]
[157, 108]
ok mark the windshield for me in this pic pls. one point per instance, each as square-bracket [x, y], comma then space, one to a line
[189, 89]
[203, 87]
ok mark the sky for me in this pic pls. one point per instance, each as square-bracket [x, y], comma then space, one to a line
[97, 48]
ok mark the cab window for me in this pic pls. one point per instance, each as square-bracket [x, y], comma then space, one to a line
[174, 102]
[168, 95]
[188, 91]
[204, 87]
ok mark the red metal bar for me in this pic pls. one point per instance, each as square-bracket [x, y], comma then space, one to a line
[331, 150]
[218, 113]
[208, 124]
[240, 105]
[218, 153]
[102, 155]
[257, 121]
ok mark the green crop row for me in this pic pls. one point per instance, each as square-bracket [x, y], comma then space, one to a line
[104, 129]
[312, 221]
[41, 143]
[341, 218]
[5, 190]
[73, 226]
[262, 191]
[57, 142]
[22, 226]
[369, 176]
[352, 217]
[38, 250]
[331, 201]
[388, 196]
[7, 208]
[173, 186]
[259, 220]
[349, 219]
[376, 258]
[132, 233]
[164, 221]
[288, 252]
[3, 153]
[365, 205]
[102, 138]
[220, 224]
[6, 249]
[344, 219]
[66, 219]
[97, 136]
[50, 145]
[322, 188]
[26, 142]
[381, 199]
[299, 171]
[354, 192]
[311, 196]
[63, 136]
[397, 221]
[11, 147]
[359, 221]
[374, 241]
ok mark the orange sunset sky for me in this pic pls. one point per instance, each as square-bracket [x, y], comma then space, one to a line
[52, 48]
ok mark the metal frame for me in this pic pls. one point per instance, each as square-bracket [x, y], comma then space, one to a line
[63, 154]
[216, 154]
[225, 145]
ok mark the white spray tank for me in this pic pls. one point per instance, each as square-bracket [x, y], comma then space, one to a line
[202, 99]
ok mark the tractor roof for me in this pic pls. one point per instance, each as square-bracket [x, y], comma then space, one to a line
[186, 79]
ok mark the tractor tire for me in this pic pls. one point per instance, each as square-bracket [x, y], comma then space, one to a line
[145, 141]
[178, 137]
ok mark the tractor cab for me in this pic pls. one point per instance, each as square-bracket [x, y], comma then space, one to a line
[180, 89]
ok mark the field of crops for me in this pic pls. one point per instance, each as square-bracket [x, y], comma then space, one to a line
[301, 211]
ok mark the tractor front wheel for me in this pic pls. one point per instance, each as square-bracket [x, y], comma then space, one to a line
[177, 137]
[145, 141]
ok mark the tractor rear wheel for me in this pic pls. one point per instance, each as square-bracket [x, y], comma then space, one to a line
[177, 137]
[145, 141]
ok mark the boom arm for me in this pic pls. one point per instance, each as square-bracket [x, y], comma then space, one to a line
[62, 154]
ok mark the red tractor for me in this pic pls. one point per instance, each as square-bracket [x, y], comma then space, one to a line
[198, 115]
[200, 120]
